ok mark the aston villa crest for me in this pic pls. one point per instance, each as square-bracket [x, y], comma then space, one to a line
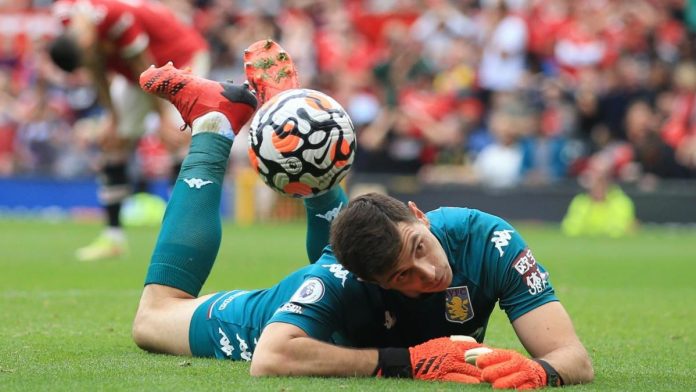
[458, 305]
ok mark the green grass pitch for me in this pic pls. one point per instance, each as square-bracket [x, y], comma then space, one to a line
[65, 325]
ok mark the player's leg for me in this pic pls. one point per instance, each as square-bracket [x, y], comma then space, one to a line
[270, 70]
[130, 108]
[191, 230]
[321, 211]
[175, 141]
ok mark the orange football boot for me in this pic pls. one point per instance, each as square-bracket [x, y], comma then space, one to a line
[194, 96]
[269, 69]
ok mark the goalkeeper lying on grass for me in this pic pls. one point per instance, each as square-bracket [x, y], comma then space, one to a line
[423, 278]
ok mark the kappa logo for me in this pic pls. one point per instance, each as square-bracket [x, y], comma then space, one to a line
[244, 348]
[196, 182]
[389, 320]
[331, 214]
[338, 271]
[225, 345]
[501, 239]
[458, 305]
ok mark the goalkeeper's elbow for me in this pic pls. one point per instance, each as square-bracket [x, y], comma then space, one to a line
[265, 365]
[587, 371]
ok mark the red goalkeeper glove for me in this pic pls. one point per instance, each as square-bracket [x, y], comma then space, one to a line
[507, 369]
[440, 359]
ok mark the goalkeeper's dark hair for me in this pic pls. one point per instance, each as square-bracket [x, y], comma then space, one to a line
[364, 236]
[65, 52]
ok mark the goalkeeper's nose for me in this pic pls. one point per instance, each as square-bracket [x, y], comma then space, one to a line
[427, 273]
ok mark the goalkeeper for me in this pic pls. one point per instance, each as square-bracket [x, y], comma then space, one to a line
[305, 324]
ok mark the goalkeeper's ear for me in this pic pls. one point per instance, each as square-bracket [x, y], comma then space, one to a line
[420, 215]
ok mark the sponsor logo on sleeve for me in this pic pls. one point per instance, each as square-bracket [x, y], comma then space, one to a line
[290, 308]
[311, 291]
[527, 267]
[501, 239]
[458, 305]
[338, 271]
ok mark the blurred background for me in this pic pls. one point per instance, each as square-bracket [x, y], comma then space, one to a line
[515, 107]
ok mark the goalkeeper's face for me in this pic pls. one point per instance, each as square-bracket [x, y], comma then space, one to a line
[422, 266]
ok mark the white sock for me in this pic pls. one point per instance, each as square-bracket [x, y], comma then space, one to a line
[115, 233]
[215, 122]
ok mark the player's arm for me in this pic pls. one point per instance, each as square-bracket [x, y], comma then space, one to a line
[540, 321]
[82, 26]
[286, 350]
[548, 334]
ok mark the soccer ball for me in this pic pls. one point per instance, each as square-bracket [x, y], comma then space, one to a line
[301, 142]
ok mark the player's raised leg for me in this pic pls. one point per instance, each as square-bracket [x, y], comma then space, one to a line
[321, 211]
[270, 71]
[191, 229]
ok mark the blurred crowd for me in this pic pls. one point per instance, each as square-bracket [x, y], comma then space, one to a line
[492, 92]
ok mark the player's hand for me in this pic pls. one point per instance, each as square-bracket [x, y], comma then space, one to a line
[443, 359]
[507, 369]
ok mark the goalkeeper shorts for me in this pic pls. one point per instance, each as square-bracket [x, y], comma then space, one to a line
[221, 328]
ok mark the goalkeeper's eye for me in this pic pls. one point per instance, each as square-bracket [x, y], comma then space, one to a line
[403, 275]
[420, 248]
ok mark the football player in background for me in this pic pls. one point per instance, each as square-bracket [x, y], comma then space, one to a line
[116, 41]
[439, 275]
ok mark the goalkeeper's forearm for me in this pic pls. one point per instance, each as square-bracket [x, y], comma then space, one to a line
[309, 357]
[281, 354]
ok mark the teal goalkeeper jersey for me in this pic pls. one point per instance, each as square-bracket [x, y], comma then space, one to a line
[490, 262]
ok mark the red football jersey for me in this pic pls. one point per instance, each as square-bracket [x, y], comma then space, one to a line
[128, 27]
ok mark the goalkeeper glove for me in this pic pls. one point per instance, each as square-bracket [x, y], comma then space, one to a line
[440, 359]
[507, 369]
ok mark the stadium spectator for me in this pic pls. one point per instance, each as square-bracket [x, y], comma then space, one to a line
[115, 41]
[387, 147]
[604, 209]
[545, 142]
[42, 133]
[652, 157]
[402, 66]
[624, 83]
[605, 54]
[582, 42]
[440, 28]
[303, 326]
[500, 164]
[504, 48]
[8, 126]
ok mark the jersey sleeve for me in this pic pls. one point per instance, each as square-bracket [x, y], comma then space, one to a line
[522, 284]
[121, 26]
[318, 305]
